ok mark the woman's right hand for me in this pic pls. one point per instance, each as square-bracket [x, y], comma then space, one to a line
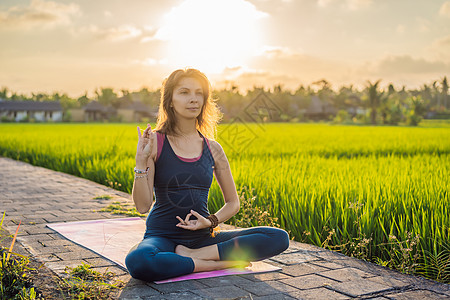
[145, 143]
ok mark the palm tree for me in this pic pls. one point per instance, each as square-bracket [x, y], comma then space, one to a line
[83, 100]
[391, 89]
[374, 99]
[445, 91]
[4, 93]
[106, 97]
[436, 94]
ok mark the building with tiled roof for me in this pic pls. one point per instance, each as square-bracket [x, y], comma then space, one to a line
[28, 110]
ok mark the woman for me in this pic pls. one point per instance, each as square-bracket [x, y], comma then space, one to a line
[179, 238]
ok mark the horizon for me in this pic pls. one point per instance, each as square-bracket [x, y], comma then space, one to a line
[74, 47]
[267, 89]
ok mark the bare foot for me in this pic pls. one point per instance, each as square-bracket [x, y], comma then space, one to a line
[210, 252]
[183, 251]
[240, 264]
[209, 265]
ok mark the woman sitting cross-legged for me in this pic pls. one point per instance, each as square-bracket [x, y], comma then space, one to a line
[177, 160]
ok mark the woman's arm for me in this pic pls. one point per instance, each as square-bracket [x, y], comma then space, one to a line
[226, 183]
[142, 192]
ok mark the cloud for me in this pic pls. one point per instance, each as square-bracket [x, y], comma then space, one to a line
[256, 78]
[424, 24]
[400, 28]
[443, 42]
[405, 70]
[149, 34]
[151, 61]
[120, 33]
[325, 3]
[445, 9]
[348, 4]
[39, 13]
[277, 64]
[278, 52]
[293, 61]
[358, 4]
[232, 71]
[404, 64]
[292, 68]
[114, 34]
[440, 48]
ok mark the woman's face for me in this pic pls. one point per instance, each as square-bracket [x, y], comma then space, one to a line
[187, 99]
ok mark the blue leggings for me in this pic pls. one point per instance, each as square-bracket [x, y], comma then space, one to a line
[154, 258]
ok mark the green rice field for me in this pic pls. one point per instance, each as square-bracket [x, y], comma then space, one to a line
[376, 193]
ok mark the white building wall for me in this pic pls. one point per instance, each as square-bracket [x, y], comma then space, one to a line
[57, 116]
[20, 115]
[39, 116]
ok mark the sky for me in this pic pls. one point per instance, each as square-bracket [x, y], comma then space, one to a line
[76, 47]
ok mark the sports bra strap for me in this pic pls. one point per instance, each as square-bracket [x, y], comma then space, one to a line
[160, 141]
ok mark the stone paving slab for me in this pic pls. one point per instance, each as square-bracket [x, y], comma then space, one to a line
[36, 196]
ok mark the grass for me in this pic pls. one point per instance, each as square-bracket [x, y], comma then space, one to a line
[102, 197]
[15, 273]
[85, 283]
[348, 188]
[117, 208]
[250, 215]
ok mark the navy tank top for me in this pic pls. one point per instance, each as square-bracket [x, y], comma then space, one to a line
[179, 186]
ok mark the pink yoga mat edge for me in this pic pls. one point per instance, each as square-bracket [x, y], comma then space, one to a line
[225, 272]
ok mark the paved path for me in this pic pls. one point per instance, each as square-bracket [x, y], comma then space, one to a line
[38, 196]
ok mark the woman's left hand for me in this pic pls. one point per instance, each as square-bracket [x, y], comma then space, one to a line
[200, 223]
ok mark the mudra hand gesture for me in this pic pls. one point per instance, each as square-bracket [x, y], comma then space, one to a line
[145, 143]
[200, 223]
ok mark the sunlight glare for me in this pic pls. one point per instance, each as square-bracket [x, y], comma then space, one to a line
[211, 34]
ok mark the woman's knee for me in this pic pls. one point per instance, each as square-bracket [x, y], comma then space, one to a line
[284, 239]
[280, 238]
[140, 263]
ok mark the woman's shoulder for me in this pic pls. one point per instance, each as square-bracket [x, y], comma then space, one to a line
[215, 146]
[217, 151]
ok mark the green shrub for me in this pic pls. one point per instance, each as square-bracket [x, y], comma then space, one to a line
[16, 281]
[6, 119]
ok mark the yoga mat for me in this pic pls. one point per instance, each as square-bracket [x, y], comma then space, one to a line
[113, 239]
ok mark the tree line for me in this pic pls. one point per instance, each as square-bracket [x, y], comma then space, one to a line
[368, 105]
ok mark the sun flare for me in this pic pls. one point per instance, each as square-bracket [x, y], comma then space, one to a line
[211, 35]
